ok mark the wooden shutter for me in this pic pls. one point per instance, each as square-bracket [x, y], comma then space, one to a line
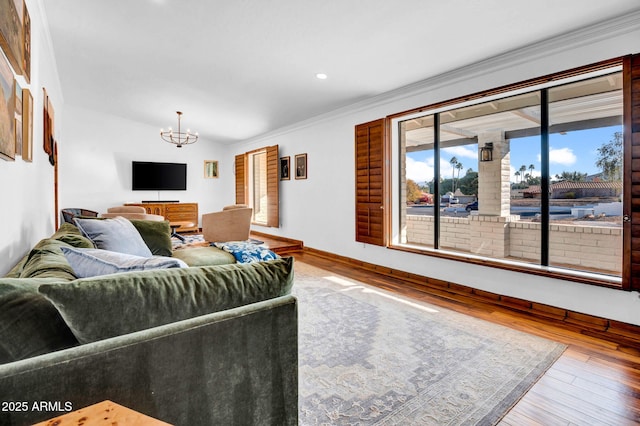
[370, 178]
[631, 230]
[241, 180]
[273, 180]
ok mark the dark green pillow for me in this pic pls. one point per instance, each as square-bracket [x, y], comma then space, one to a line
[29, 324]
[101, 307]
[46, 260]
[156, 235]
[70, 234]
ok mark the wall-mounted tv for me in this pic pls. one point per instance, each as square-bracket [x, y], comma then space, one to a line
[152, 176]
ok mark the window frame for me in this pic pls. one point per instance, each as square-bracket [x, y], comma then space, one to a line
[542, 84]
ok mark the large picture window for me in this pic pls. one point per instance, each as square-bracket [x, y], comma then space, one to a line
[531, 178]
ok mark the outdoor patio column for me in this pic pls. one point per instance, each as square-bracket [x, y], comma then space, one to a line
[494, 187]
[489, 229]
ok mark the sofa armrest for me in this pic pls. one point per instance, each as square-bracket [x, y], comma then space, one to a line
[237, 366]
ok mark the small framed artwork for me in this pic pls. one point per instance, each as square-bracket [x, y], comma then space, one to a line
[18, 118]
[284, 168]
[11, 32]
[27, 125]
[210, 169]
[7, 114]
[301, 166]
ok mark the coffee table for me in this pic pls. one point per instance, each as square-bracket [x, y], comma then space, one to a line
[105, 413]
[179, 224]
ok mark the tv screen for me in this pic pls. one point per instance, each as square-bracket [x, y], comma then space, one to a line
[151, 176]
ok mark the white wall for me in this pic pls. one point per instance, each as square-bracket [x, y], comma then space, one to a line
[27, 188]
[96, 151]
[321, 210]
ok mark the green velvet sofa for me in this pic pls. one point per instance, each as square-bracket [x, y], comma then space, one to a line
[214, 343]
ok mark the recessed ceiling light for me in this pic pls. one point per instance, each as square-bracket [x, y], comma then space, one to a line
[321, 76]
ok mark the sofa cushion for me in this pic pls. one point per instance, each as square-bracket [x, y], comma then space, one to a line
[94, 262]
[46, 260]
[67, 233]
[101, 307]
[204, 256]
[156, 235]
[245, 252]
[29, 324]
[117, 234]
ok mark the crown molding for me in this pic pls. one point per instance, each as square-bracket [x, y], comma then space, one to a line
[591, 34]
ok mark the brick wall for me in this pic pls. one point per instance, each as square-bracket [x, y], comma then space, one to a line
[580, 246]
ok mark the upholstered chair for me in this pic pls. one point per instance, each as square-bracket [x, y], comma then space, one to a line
[233, 223]
[131, 212]
[69, 214]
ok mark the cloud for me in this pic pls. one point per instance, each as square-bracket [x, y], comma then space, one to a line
[419, 171]
[563, 156]
[460, 152]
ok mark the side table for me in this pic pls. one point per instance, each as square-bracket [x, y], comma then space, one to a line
[105, 413]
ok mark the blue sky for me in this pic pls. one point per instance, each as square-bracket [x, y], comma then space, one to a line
[574, 151]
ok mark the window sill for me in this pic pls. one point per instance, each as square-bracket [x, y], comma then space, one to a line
[515, 266]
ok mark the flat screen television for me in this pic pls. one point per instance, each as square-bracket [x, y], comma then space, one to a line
[152, 176]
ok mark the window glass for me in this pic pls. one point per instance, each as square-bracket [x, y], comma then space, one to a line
[585, 173]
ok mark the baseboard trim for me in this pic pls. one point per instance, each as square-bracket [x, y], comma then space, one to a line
[626, 336]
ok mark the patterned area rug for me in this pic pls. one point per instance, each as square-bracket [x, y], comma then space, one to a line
[197, 240]
[370, 357]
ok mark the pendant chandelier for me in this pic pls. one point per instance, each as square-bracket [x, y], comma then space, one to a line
[179, 138]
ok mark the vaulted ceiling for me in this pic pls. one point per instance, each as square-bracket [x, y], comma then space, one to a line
[242, 68]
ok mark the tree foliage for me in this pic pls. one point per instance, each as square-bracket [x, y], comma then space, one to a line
[610, 158]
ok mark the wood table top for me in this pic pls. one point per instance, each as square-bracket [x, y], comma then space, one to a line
[105, 413]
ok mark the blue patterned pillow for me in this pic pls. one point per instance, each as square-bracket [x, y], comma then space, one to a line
[247, 252]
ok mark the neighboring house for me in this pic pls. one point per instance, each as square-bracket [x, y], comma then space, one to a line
[568, 189]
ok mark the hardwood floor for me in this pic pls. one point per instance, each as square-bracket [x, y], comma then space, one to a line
[595, 382]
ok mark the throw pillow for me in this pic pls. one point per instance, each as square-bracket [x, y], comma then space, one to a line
[156, 235]
[71, 235]
[117, 234]
[101, 307]
[29, 324]
[247, 252]
[94, 262]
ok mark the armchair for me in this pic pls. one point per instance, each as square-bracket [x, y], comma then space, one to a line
[69, 214]
[233, 223]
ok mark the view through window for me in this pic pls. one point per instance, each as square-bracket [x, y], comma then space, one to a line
[551, 193]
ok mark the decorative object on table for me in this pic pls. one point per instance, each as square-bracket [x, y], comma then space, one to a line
[179, 138]
[12, 32]
[210, 169]
[27, 125]
[369, 356]
[301, 166]
[18, 118]
[7, 93]
[285, 165]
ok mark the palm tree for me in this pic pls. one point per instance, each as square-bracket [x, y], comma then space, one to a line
[453, 163]
[459, 167]
[517, 175]
[531, 168]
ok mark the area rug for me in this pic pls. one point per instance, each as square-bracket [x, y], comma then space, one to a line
[371, 357]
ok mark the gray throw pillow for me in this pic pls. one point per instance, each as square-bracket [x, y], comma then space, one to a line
[117, 234]
[101, 307]
[94, 262]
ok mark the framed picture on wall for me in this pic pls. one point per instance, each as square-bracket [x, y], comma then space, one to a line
[18, 118]
[26, 44]
[27, 125]
[210, 169]
[301, 166]
[284, 168]
[7, 115]
[11, 32]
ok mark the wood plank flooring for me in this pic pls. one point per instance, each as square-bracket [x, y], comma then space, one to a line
[595, 382]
